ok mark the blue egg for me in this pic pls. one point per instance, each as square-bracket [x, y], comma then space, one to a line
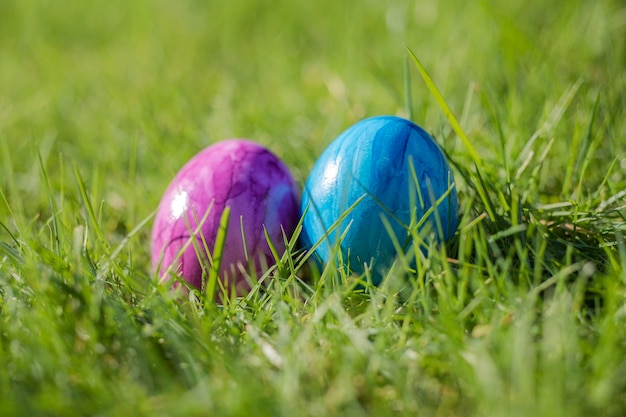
[383, 167]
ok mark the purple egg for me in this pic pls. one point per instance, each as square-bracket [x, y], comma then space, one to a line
[235, 173]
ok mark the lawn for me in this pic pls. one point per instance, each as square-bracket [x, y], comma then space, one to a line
[522, 313]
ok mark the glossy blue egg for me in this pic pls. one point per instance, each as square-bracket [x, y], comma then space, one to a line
[376, 177]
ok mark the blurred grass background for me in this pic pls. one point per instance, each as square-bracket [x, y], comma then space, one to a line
[126, 92]
[130, 91]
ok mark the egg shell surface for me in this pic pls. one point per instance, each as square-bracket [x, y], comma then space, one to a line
[372, 161]
[260, 191]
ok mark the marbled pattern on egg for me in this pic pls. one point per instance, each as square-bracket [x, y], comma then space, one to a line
[371, 159]
[238, 173]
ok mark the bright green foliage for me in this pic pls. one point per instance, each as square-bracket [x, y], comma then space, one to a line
[522, 314]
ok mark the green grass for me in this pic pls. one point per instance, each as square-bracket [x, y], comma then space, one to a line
[523, 313]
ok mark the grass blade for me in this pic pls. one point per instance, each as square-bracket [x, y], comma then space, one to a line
[95, 225]
[446, 109]
[218, 251]
[407, 89]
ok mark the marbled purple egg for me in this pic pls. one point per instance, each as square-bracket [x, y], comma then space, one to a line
[261, 193]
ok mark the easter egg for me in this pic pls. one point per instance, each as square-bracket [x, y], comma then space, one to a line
[262, 196]
[373, 183]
